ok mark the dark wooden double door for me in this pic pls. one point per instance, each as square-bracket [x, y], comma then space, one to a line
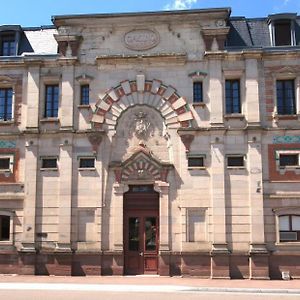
[141, 231]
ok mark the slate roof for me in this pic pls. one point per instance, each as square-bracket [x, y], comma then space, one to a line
[252, 33]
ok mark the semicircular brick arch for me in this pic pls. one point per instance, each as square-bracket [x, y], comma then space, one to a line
[153, 93]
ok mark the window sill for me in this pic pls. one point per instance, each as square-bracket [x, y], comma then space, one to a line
[196, 168]
[234, 116]
[86, 169]
[48, 169]
[199, 104]
[6, 243]
[236, 168]
[9, 122]
[286, 244]
[287, 117]
[295, 169]
[83, 106]
[49, 120]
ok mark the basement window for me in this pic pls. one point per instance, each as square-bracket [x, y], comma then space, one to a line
[86, 163]
[49, 163]
[235, 161]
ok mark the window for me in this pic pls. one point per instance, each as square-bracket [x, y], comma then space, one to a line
[6, 163]
[84, 94]
[235, 161]
[87, 163]
[8, 45]
[49, 163]
[289, 228]
[51, 101]
[197, 92]
[282, 33]
[232, 97]
[6, 96]
[288, 160]
[285, 97]
[4, 228]
[196, 162]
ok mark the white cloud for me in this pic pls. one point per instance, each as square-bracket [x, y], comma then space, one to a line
[181, 4]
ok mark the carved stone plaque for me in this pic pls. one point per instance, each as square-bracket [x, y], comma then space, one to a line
[141, 39]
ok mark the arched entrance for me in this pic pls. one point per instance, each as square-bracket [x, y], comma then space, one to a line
[141, 230]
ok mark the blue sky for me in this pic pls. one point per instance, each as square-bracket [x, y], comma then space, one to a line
[39, 12]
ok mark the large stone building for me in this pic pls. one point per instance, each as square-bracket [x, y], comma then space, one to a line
[141, 143]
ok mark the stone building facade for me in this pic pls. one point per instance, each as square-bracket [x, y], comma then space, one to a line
[151, 143]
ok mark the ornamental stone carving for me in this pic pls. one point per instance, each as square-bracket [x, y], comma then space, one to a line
[141, 39]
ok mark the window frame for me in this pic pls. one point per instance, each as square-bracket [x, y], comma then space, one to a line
[43, 168]
[52, 86]
[284, 100]
[80, 158]
[9, 214]
[231, 98]
[195, 95]
[276, 20]
[228, 156]
[11, 158]
[196, 156]
[82, 86]
[8, 37]
[283, 169]
[202, 211]
[290, 228]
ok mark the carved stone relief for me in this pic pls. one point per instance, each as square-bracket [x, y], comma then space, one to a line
[141, 39]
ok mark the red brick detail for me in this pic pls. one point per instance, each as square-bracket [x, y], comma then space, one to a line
[196, 265]
[280, 263]
[101, 112]
[133, 87]
[109, 100]
[86, 265]
[97, 125]
[148, 86]
[15, 175]
[173, 98]
[161, 90]
[185, 124]
[181, 110]
[259, 267]
[120, 92]
[220, 266]
[54, 264]
[274, 174]
[239, 267]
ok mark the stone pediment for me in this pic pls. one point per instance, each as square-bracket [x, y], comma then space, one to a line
[142, 165]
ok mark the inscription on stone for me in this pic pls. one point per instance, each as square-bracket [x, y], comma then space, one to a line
[141, 39]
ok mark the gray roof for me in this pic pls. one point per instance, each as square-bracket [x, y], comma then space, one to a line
[252, 33]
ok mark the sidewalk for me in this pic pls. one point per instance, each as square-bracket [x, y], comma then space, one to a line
[151, 283]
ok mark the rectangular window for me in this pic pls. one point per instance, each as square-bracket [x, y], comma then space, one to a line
[197, 92]
[232, 97]
[87, 163]
[49, 163]
[285, 97]
[288, 160]
[195, 162]
[51, 101]
[235, 161]
[4, 164]
[289, 228]
[4, 228]
[85, 94]
[8, 45]
[282, 33]
[6, 104]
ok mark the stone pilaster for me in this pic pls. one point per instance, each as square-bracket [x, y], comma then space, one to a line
[67, 97]
[31, 157]
[251, 92]
[258, 253]
[219, 252]
[65, 194]
[33, 87]
[216, 92]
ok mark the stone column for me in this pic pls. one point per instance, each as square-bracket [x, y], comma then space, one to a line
[259, 267]
[67, 96]
[65, 194]
[251, 92]
[216, 94]
[219, 252]
[164, 225]
[33, 87]
[28, 252]
[117, 264]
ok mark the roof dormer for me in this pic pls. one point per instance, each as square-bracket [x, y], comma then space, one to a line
[282, 29]
[10, 36]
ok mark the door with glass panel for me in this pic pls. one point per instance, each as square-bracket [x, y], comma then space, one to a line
[141, 242]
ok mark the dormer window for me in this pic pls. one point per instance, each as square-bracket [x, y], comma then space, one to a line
[282, 29]
[8, 45]
[10, 37]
